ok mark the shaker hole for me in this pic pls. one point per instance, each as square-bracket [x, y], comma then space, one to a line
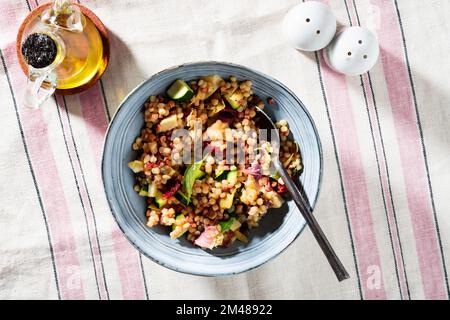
[318, 31]
[365, 56]
[308, 20]
[360, 41]
[349, 53]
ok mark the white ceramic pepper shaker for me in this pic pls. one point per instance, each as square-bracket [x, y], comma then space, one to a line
[310, 26]
[353, 51]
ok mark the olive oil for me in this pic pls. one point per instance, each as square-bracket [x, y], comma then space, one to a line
[83, 57]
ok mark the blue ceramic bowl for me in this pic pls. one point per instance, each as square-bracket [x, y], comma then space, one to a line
[278, 228]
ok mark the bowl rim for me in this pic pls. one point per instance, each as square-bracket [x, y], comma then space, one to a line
[229, 64]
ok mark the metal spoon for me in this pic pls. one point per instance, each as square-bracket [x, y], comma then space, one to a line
[300, 199]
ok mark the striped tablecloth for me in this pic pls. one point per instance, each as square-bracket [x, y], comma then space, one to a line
[385, 200]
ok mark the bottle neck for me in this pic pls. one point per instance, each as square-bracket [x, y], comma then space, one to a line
[63, 14]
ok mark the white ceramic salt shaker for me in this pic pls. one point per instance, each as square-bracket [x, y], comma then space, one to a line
[310, 26]
[353, 51]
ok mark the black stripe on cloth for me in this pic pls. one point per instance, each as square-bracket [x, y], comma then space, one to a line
[81, 202]
[105, 101]
[379, 169]
[33, 176]
[424, 151]
[340, 174]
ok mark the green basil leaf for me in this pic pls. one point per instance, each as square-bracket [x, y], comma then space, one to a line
[226, 225]
[191, 174]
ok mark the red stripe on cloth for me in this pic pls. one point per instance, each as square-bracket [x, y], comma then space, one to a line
[93, 111]
[413, 162]
[49, 182]
[127, 256]
[130, 273]
[354, 181]
[395, 237]
[385, 184]
[94, 241]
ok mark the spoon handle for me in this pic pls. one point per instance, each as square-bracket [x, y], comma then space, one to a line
[305, 209]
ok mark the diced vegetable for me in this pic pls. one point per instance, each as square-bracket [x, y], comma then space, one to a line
[178, 219]
[143, 192]
[232, 224]
[153, 207]
[168, 123]
[180, 196]
[200, 175]
[241, 237]
[152, 190]
[235, 225]
[216, 131]
[180, 91]
[296, 171]
[221, 175]
[277, 202]
[275, 176]
[213, 83]
[160, 201]
[213, 110]
[232, 177]
[235, 99]
[208, 238]
[225, 225]
[179, 227]
[136, 166]
[249, 193]
[227, 202]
